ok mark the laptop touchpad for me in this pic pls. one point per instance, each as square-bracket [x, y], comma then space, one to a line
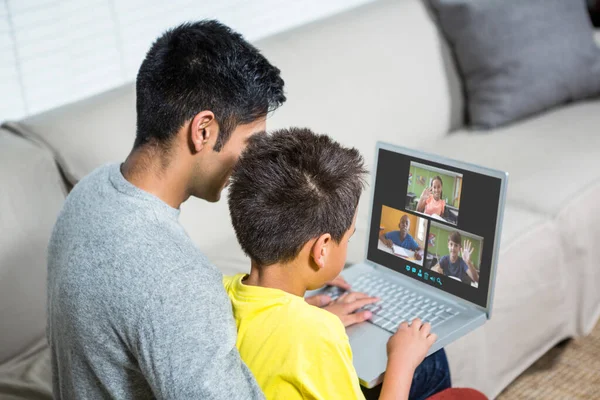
[369, 353]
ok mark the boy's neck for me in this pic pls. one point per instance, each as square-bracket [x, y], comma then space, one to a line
[278, 276]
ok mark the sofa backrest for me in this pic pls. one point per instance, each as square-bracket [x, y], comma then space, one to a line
[378, 72]
[31, 195]
[381, 71]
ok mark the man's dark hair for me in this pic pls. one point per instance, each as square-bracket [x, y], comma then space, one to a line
[291, 187]
[203, 66]
[455, 237]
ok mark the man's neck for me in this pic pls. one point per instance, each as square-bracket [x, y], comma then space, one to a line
[277, 276]
[144, 170]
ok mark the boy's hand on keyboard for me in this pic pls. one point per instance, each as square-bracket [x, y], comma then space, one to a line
[346, 305]
[340, 282]
[409, 345]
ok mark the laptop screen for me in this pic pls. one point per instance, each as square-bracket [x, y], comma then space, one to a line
[435, 222]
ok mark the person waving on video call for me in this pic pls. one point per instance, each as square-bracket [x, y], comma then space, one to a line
[431, 202]
[454, 265]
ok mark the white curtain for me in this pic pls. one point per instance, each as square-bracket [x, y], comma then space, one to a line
[54, 52]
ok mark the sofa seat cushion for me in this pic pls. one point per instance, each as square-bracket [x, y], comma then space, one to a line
[28, 376]
[30, 199]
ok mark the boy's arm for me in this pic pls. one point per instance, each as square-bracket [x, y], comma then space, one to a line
[467, 251]
[386, 240]
[416, 248]
[396, 384]
[438, 267]
[406, 350]
[471, 271]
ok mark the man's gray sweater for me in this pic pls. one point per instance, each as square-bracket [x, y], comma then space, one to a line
[135, 310]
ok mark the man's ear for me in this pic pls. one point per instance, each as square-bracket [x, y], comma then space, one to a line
[202, 129]
[320, 250]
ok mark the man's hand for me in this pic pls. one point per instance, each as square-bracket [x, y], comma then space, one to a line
[346, 305]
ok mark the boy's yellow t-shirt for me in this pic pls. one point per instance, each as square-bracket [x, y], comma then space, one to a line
[295, 350]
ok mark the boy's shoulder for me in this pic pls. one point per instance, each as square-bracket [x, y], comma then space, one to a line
[317, 325]
[293, 315]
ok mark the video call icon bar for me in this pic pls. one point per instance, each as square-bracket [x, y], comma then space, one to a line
[426, 275]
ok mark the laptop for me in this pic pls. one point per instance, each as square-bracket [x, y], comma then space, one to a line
[432, 248]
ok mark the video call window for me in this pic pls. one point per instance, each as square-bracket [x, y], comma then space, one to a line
[402, 234]
[434, 192]
[454, 253]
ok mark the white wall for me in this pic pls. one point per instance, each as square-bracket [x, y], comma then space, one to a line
[57, 51]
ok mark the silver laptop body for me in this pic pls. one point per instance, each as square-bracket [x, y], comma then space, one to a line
[409, 288]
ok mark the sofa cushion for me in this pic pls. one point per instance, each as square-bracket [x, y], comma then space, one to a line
[30, 199]
[28, 376]
[519, 57]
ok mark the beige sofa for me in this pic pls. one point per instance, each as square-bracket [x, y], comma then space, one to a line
[379, 72]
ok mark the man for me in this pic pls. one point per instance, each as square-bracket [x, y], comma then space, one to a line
[402, 238]
[456, 266]
[135, 310]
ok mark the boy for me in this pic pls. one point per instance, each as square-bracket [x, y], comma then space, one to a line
[456, 266]
[402, 238]
[293, 201]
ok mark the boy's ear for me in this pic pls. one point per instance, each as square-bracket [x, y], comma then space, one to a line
[202, 128]
[320, 249]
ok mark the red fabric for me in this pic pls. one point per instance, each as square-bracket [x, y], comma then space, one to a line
[458, 394]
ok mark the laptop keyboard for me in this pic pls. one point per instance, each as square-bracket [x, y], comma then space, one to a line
[397, 303]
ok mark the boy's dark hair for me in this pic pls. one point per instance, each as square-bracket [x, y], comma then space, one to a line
[455, 237]
[203, 66]
[291, 187]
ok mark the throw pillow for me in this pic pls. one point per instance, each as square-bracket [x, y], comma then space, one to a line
[518, 57]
